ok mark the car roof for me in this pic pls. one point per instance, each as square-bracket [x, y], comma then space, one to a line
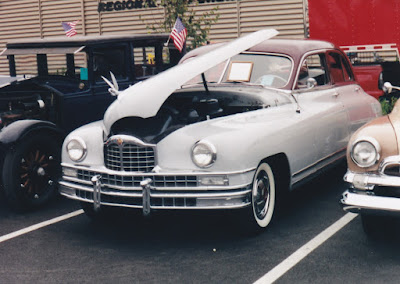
[295, 48]
[83, 40]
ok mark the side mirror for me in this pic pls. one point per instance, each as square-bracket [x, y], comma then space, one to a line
[388, 88]
[311, 83]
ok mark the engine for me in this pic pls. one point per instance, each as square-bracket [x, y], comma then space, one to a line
[185, 108]
[17, 105]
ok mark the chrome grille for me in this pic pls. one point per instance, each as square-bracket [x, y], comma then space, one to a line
[129, 157]
[134, 181]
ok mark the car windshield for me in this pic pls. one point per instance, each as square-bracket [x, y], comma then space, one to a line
[268, 70]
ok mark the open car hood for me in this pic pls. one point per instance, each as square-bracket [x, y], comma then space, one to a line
[145, 98]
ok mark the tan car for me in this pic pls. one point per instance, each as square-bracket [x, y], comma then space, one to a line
[373, 160]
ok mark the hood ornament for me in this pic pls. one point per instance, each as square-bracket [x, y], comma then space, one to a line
[114, 88]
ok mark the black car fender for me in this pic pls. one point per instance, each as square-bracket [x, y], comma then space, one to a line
[22, 129]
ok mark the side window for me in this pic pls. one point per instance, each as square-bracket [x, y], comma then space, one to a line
[144, 58]
[150, 60]
[338, 67]
[109, 59]
[348, 74]
[313, 66]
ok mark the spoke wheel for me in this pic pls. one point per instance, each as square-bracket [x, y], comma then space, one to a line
[31, 172]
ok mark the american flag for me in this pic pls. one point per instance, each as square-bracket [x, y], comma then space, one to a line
[179, 33]
[69, 28]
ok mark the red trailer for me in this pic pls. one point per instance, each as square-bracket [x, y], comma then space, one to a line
[367, 30]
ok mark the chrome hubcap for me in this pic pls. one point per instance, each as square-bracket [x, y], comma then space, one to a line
[261, 195]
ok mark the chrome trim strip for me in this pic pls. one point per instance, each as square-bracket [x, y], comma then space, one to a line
[160, 194]
[201, 187]
[103, 190]
[202, 207]
[374, 179]
[104, 170]
[322, 160]
[127, 139]
[246, 204]
[392, 160]
[192, 195]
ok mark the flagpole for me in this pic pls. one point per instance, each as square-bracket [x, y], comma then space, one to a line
[169, 37]
[166, 44]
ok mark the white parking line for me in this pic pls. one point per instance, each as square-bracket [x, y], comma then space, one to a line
[39, 226]
[305, 250]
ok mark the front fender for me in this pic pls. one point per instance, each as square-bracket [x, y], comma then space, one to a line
[21, 129]
[240, 143]
[18, 129]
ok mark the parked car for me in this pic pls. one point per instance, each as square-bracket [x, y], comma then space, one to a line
[62, 91]
[233, 126]
[373, 170]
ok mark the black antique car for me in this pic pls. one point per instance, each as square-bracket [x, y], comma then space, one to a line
[59, 86]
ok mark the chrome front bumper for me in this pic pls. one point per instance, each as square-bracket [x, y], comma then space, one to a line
[357, 202]
[366, 193]
[149, 191]
[369, 181]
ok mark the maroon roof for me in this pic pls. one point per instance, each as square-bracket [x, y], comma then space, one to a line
[293, 47]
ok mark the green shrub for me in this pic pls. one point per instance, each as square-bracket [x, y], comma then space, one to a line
[387, 104]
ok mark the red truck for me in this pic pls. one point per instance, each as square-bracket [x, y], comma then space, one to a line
[367, 30]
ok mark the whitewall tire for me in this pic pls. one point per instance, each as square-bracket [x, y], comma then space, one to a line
[263, 197]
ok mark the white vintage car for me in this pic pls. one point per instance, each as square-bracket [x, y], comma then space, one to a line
[233, 126]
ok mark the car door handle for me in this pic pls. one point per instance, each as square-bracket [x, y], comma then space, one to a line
[335, 94]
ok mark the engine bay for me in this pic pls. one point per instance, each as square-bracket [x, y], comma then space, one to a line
[29, 102]
[189, 107]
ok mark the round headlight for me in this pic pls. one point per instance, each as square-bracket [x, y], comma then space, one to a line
[365, 152]
[76, 149]
[204, 154]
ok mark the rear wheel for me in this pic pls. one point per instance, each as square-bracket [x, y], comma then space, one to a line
[31, 171]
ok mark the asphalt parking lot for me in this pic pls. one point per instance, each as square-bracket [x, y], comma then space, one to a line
[198, 247]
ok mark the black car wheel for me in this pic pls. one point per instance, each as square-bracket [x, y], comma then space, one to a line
[31, 171]
[373, 225]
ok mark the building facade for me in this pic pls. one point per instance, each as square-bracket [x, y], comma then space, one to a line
[42, 18]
